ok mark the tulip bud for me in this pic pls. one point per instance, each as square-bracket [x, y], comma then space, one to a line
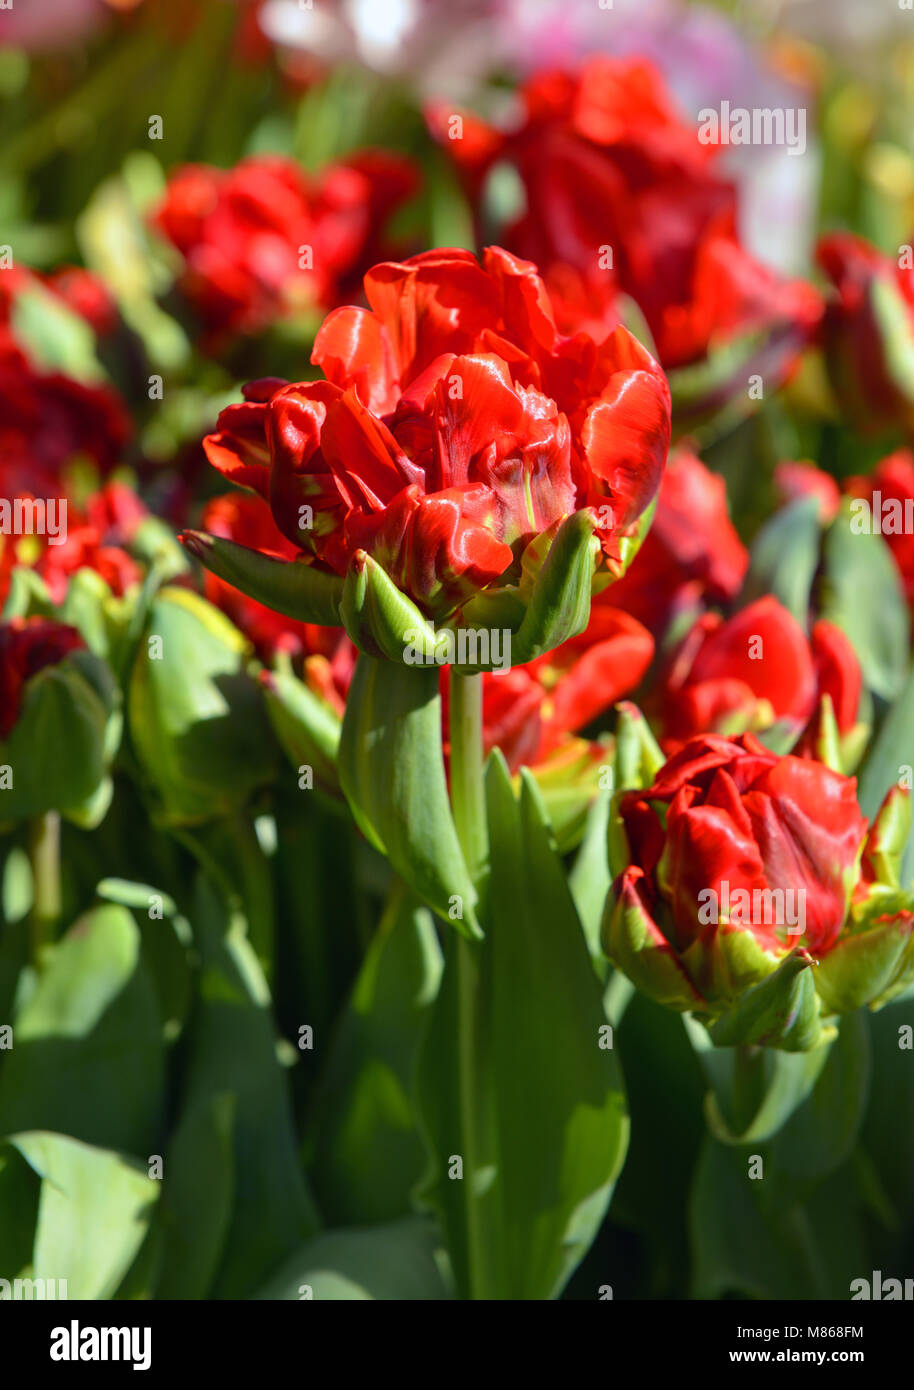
[59, 724]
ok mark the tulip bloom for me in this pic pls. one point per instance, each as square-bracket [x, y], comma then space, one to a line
[622, 194]
[723, 849]
[692, 554]
[756, 669]
[455, 426]
[869, 333]
[795, 481]
[264, 239]
[49, 419]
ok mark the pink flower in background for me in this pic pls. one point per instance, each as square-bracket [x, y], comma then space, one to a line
[38, 25]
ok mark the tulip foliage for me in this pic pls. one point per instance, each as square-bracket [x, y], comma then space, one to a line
[456, 698]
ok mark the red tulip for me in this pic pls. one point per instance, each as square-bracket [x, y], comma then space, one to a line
[793, 481]
[692, 553]
[869, 333]
[455, 426]
[745, 672]
[622, 194]
[730, 849]
[27, 646]
[756, 669]
[264, 239]
[48, 419]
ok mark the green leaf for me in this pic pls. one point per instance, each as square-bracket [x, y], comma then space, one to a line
[292, 587]
[19, 1191]
[893, 318]
[232, 1050]
[401, 1261]
[391, 768]
[197, 719]
[60, 745]
[93, 1213]
[56, 338]
[890, 1144]
[861, 594]
[590, 878]
[742, 1244]
[513, 1079]
[820, 1135]
[764, 1217]
[196, 1207]
[88, 1055]
[711, 394]
[369, 1155]
[569, 781]
[755, 1090]
[114, 241]
[784, 558]
[308, 731]
[651, 1196]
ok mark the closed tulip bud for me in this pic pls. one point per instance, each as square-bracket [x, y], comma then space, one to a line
[59, 724]
[738, 860]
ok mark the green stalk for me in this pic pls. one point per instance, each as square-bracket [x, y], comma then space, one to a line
[44, 854]
[469, 807]
[467, 791]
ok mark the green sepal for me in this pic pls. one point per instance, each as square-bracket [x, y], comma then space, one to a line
[781, 1011]
[559, 604]
[638, 754]
[391, 768]
[888, 837]
[868, 967]
[630, 941]
[630, 545]
[291, 587]
[380, 619]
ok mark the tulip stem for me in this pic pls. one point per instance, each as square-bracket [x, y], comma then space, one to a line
[469, 806]
[44, 854]
[467, 789]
